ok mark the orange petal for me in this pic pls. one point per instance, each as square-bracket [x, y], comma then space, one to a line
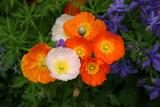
[117, 48]
[33, 67]
[100, 25]
[84, 17]
[71, 28]
[94, 79]
[76, 42]
[39, 51]
[91, 26]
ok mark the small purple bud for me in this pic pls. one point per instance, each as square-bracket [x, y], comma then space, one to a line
[60, 43]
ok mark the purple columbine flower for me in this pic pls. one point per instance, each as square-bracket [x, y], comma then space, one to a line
[114, 25]
[155, 4]
[60, 43]
[154, 89]
[153, 22]
[149, 13]
[116, 15]
[132, 5]
[143, 4]
[123, 68]
[117, 6]
[153, 58]
[150, 4]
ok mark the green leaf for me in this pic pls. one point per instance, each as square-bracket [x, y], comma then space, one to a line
[26, 16]
[8, 61]
[51, 6]
[96, 6]
[7, 6]
[114, 100]
[128, 97]
[18, 82]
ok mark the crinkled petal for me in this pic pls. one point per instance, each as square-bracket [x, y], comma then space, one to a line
[114, 68]
[67, 56]
[156, 47]
[132, 6]
[146, 64]
[154, 94]
[57, 29]
[156, 81]
[156, 64]
[133, 71]
[123, 73]
[147, 87]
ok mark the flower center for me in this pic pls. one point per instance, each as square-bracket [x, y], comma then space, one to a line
[80, 51]
[92, 68]
[42, 63]
[61, 66]
[106, 47]
[84, 29]
[81, 30]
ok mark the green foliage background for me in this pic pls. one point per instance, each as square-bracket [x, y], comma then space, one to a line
[24, 24]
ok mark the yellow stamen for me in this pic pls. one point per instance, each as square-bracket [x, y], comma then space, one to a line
[92, 68]
[42, 63]
[106, 47]
[80, 51]
[61, 66]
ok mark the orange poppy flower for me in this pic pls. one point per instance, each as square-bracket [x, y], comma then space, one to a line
[72, 9]
[34, 66]
[84, 25]
[109, 47]
[81, 46]
[94, 71]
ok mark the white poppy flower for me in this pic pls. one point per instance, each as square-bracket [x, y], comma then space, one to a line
[63, 63]
[57, 29]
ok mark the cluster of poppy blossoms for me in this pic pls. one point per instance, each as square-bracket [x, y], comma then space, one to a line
[84, 46]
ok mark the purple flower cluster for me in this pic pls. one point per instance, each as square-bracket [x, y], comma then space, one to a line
[116, 13]
[149, 13]
[153, 58]
[154, 88]
[123, 68]
[145, 4]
